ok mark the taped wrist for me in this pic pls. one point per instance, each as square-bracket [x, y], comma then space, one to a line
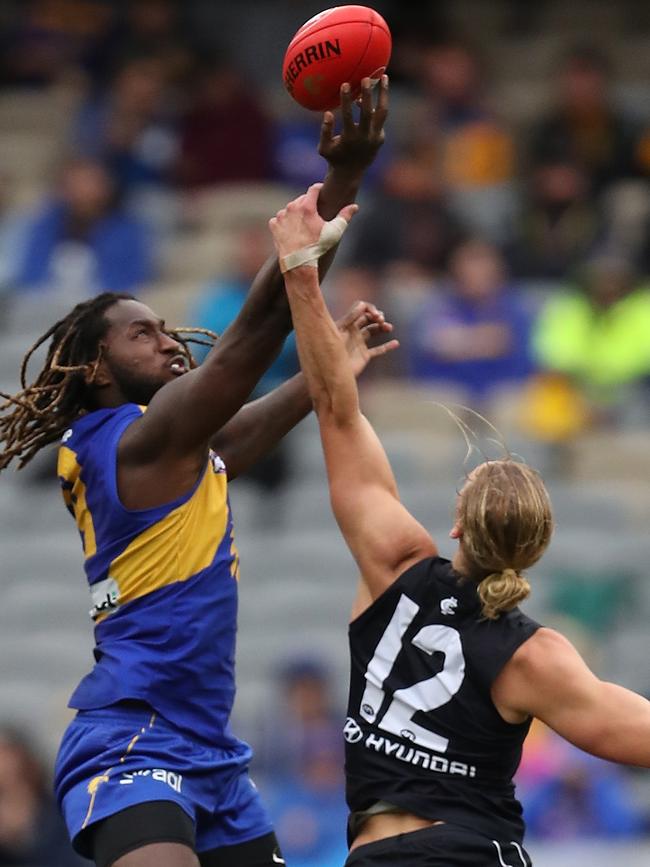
[330, 235]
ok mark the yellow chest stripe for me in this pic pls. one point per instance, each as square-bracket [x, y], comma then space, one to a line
[178, 546]
[69, 469]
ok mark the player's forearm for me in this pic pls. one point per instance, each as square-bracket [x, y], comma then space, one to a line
[340, 188]
[267, 296]
[323, 357]
[260, 425]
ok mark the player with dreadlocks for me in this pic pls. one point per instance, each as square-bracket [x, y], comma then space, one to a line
[44, 410]
[149, 773]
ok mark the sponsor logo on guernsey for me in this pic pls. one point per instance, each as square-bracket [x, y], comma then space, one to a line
[218, 465]
[174, 781]
[66, 436]
[449, 605]
[411, 755]
[352, 731]
[105, 597]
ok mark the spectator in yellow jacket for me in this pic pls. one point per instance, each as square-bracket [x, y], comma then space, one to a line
[598, 333]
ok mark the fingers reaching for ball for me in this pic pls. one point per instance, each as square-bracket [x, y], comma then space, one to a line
[357, 144]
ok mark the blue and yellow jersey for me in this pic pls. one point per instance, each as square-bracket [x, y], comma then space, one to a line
[163, 584]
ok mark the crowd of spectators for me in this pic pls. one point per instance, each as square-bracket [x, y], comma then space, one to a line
[508, 253]
[512, 254]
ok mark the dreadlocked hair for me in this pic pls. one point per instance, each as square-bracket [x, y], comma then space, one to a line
[41, 412]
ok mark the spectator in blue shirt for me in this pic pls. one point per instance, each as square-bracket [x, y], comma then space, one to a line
[221, 299]
[80, 242]
[474, 334]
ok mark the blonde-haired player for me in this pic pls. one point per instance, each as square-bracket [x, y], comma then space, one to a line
[446, 671]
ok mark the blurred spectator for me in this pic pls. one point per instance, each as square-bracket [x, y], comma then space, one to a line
[345, 285]
[300, 753]
[45, 39]
[220, 301]
[475, 333]
[559, 225]
[226, 136]
[145, 28]
[32, 832]
[408, 221]
[585, 128]
[296, 162]
[131, 127]
[13, 225]
[412, 26]
[80, 242]
[567, 794]
[597, 333]
[306, 727]
[475, 153]
[309, 812]
[216, 307]
[554, 411]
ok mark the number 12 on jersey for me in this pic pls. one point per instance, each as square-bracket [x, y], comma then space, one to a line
[426, 695]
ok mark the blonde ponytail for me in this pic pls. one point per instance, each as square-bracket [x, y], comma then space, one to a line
[501, 591]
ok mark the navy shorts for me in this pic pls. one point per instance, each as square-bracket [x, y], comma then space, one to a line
[120, 756]
[439, 846]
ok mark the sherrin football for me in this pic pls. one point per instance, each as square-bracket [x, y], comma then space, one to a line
[346, 43]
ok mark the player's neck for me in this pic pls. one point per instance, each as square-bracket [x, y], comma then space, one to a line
[460, 563]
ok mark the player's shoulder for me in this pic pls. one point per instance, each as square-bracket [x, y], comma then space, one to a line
[543, 652]
[544, 668]
[93, 425]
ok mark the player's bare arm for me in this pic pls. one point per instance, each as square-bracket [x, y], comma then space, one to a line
[383, 537]
[262, 423]
[183, 416]
[259, 425]
[547, 678]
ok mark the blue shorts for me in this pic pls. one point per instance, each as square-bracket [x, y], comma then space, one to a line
[120, 756]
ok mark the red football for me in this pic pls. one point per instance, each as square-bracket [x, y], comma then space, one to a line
[346, 43]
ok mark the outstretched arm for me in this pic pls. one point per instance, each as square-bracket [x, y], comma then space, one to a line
[260, 425]
[185, 413]
[547, 678]
[381, 534]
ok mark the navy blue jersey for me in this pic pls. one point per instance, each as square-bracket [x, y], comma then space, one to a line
[422, 732]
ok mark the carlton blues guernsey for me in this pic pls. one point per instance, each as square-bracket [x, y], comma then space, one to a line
[163, 585]
[422, 732]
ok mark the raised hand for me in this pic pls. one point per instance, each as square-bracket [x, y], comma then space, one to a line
[361, 323]
[300, 228]
[356, 146]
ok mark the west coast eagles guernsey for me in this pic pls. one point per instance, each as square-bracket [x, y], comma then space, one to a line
[163, 584]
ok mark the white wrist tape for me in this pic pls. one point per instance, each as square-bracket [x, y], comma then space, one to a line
[330, 235]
